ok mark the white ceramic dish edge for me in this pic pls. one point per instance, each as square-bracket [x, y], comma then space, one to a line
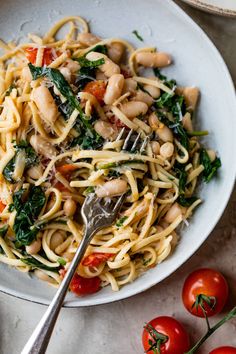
[213, 9]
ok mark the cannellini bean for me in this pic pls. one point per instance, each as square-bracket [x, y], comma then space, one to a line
[143, 97]
[72, 65]
[88, 39]
[26, 74]
[191, 95]
[115, 51]
[114, 88]
[153, 60]
[34, 247]
[45, 103]
[112, 188]
[165, 134]
[43, 147]
[56, 240]
[108, 68]
[155, 147]
[174, 211]
[42, 276]
[69, 207]
[211, 154]
[187, 122]
[105, 129]
[167, 150]
[130, 85]
[153, 121]
[65, 71]
[134, 108]
[155, 92]
[35, 172]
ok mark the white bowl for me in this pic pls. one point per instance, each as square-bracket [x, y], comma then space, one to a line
[196, 62]
[219, 7]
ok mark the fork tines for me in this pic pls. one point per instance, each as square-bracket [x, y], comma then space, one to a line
[133, 141]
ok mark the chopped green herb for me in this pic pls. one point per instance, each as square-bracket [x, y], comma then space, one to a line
[135, 32]
[210, 168]
[61, 261]
[169, 83]
[89, 190]
[186, 202]
[85, 63]
[121, 221]
[198, 133]
[99, 49]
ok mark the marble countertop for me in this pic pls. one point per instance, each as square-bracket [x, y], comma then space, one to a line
[116, 328]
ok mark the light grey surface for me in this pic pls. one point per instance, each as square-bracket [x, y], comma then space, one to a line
[116, 328]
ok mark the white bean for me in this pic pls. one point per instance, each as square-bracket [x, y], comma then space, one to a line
[143, 97]
[165, 134]
[167, 150]
[130, 85]
[69, 207]
[191, 95]
[34, 247]
[65, 71]
[155, 147]
[155, 92]
[211, 154]
[115, 51]
[108, 68]
[105, 129]
[35, 172]
[187, 122]
[45, 103]
[114, 88]
[56, 240]
[134, 108]
[153, 121]
[112, 188]
[88, 39]
[174, 211]
[153, 60]
[43, 147]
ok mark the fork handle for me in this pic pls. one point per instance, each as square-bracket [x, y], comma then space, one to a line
[38, 342]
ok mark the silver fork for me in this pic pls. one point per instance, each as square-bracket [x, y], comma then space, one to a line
[97, 213]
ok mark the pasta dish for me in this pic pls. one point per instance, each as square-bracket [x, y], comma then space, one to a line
[67, 106]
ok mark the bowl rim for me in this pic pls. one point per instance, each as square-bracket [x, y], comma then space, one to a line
[116, 296]
[213, 9]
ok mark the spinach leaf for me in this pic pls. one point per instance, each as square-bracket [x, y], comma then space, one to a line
[186, 202]
[31, 159]
[27, 212]
[88, 136]
[181, 174]
[135, 32]
[169, 83]
[121, 221]
[85, 63]
[35, 264]
[210, 168]
[3, 230]
[99, 49]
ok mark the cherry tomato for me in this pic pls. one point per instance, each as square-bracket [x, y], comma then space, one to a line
[82, 286]
[117, 122]
[205, 289]
[97, 89]
[224, 350]
[95, 259]
[173, 337]
[48, 55]
[60, 186]
[2, 206]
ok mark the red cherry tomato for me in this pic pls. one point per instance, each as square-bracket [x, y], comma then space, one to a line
[83, 286]
[2, 206]
[224, 350]
[175, 340]
[48, 55]
[97, 89]
[206, 285]
[95, 259]
[117, 122]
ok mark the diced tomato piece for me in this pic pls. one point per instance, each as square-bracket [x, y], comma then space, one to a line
[117, 122]
[2, 206]
[126, 73]
[97, 89]
[95, 259]
[66, 169]
[48, 55]
[60, 186]
[84, 286]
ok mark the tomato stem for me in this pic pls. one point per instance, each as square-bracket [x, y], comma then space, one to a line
[211, 330]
